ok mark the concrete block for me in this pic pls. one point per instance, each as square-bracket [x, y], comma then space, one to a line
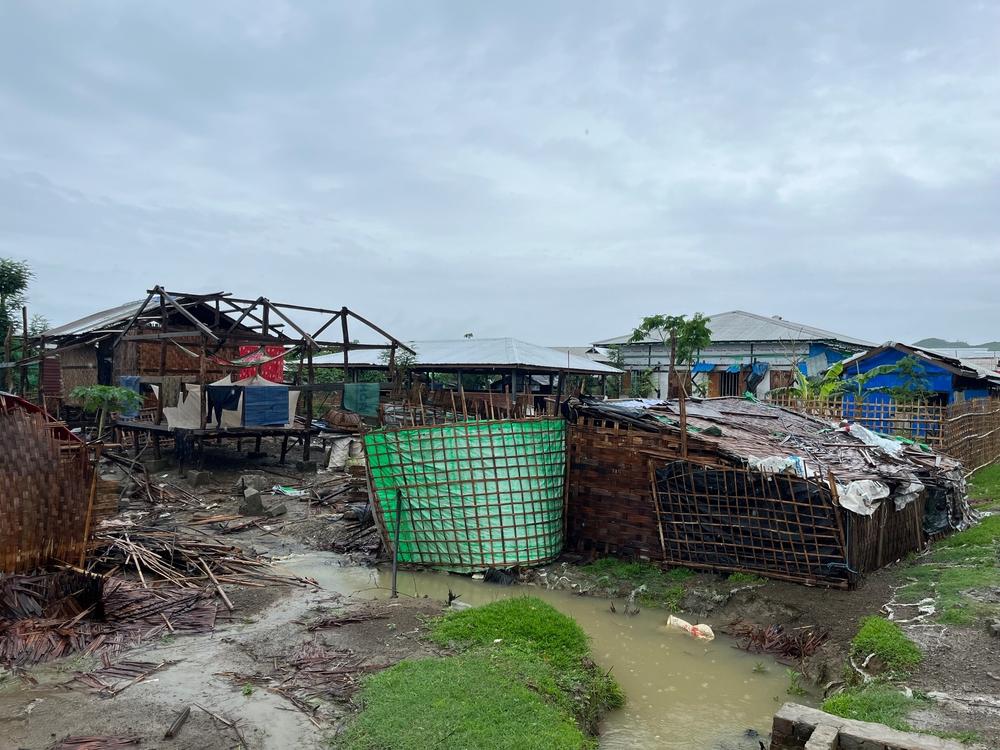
[258, 482]
[252, 505]
[199, 478]
[156, 464]
[308, 466]
[824, 737]
[276, 510]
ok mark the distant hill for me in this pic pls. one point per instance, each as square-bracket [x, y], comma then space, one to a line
[933, 343]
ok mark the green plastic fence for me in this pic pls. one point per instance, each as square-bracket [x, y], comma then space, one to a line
[474, 495]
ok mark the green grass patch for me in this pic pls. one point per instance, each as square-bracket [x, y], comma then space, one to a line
[958, 564]
[881, 704]
[523, 622]
[984, 485]
[459, 702]
[745, 578]
[524, 679]
[886, 640]
[985, 533]
[664, 588]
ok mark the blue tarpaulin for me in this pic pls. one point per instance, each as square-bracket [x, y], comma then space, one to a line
[132, 383]
[702, 367]
[265, 405]
[733, 368]
[759, 368]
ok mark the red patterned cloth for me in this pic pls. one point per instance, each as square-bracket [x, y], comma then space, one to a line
[273, 370]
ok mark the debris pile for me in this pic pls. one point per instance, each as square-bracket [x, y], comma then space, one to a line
[184, 559]
[798, 644]
[311, 675]
[48, 616]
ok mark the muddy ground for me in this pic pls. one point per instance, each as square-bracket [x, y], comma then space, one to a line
[269, 624]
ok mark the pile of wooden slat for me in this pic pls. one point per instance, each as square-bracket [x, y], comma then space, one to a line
[186, 559]
[96, 743]
[111, 679]
[313, 674]
[41, 620]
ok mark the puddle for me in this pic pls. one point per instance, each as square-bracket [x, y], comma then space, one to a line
[682, 694]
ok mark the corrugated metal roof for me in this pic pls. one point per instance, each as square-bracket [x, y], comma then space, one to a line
[740, 326]
[96, 321]
[503, 353]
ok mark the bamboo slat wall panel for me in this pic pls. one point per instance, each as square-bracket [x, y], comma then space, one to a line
[610, 503]
[43, 494]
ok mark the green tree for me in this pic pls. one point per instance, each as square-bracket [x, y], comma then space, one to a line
[104, 399]
[15, 275]
[683, 336]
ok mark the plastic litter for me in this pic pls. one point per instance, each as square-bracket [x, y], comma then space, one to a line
[700, 631]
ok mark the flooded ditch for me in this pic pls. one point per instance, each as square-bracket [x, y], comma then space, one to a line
[683, 694]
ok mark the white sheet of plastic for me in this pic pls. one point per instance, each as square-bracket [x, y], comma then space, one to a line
[892, 447]
[907, 494]
[781, 465]
[863, 496]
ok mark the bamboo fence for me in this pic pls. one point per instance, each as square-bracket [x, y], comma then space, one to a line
[968, 431]
[46, 493]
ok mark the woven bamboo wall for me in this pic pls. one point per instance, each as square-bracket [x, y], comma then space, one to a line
[610, 507]
[43, 494]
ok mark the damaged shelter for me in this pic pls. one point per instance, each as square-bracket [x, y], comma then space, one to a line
[210, 366]
[754, 488]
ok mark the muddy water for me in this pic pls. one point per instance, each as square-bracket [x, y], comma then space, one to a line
[682, 694]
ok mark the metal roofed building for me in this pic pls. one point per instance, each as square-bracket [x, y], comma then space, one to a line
[748, 352]
[497, 355]
[949, 379]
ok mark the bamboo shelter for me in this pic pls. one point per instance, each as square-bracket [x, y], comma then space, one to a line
[47, 489]
[471, 496]
[756, 488]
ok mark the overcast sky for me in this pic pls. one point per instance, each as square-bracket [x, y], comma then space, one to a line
[545, 170]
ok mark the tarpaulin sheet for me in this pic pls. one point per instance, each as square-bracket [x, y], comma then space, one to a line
[474, 495]
[362, 398]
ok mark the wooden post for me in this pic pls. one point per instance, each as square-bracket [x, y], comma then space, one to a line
[163, 362]
[90, 500]
[311, 374]
[395, 542]
[204, 386]
[24, 351]
[559, 390]
[9, 372]
[680, 394]
[347, 340]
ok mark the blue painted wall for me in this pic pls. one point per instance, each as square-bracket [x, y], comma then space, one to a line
[937, 378]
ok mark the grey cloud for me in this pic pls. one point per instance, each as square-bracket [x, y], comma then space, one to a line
[549, 171]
